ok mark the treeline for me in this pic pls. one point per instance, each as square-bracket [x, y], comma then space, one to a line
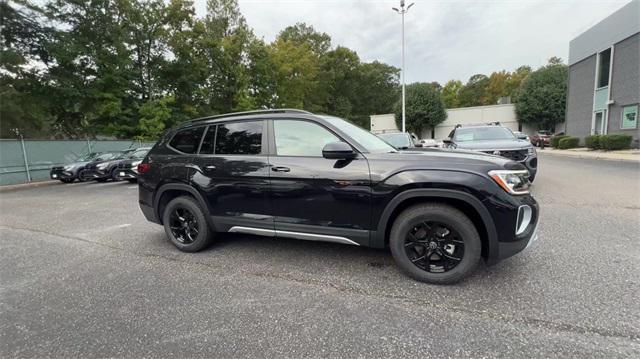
[131, 68]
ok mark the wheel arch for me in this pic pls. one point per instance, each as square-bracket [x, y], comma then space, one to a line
[169, 191]
[467, 203]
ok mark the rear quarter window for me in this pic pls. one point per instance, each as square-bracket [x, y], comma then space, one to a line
[187, 140]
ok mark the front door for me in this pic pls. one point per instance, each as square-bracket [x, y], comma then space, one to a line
[598, 123]
[232, 171]
[313, 197]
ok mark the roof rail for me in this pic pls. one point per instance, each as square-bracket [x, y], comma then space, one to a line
[254, 112]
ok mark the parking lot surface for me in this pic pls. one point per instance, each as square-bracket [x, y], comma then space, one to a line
[84, 275]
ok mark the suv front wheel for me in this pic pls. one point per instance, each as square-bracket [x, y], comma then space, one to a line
[435, 243]
[186, 225]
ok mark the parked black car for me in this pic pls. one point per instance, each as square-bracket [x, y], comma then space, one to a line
[103, 168]
[399, 140]
[127, 169]
[495, 140]
[72, 171]
[290, 173]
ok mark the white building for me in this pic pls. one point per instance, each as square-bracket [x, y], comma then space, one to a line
[505, 114]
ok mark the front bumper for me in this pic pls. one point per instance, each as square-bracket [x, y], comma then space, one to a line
[523, 240]
[60, 174]
[126, 173]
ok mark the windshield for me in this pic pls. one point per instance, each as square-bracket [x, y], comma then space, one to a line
[365, 138]
[397, 140]
[108, 156]
[482, 134]
[139, 153]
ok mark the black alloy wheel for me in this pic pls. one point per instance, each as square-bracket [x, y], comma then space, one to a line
[435, 243]
[433, 247]
[184, 225]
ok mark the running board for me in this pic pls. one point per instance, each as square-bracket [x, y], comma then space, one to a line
[288, 234]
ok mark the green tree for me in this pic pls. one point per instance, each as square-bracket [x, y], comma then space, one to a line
[155, 116]
[451, 93]
[424, 108]
[474, 92]
[542, 97]
[296, 69]
[301, 33]
[376, 91]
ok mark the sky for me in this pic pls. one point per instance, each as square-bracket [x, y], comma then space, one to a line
[444, 40]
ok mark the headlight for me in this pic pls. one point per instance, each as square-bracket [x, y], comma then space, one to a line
[514, 182]
[531, 150]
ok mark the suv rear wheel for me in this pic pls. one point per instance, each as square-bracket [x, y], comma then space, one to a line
[185, 224]
[435, 243]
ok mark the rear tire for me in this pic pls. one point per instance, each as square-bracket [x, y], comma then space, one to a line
[425, 239]
[81, 176]
[186, 225]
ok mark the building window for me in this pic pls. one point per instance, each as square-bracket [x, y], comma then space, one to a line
[603, 68]
[629, 117]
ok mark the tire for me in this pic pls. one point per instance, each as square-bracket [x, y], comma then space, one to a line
[450, 226]
[114, 175]
[81, 176]
[189, 209]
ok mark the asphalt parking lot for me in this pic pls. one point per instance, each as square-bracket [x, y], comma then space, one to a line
[84, 275]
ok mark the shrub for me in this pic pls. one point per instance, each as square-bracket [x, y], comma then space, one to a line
[555, 140]
[568, 142]
[592, 142]
[615, 142]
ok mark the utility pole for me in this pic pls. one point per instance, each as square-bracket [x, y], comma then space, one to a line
[403, 11]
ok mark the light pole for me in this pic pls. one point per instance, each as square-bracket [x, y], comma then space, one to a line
[403, 11]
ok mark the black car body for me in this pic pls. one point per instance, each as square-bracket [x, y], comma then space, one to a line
[103, 168]
[290, 173]
[127, 169]
[72, 171]
[495, 140]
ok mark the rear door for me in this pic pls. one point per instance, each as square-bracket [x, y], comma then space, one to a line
[232, 172]
[313, 197]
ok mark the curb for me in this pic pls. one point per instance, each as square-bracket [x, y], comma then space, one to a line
[11, 187]
[596, 157]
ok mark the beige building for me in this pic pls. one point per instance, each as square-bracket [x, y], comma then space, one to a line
[505, 114]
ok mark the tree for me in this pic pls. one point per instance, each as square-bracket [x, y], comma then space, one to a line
[474, 92]
[451, 93]
[296, 69]
[542, 97]
[301, 33]
[424, 108]
[154, 118]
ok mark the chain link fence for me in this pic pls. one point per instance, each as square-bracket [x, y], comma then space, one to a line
[23, 161]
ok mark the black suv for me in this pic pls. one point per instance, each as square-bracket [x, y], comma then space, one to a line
[495, 140]
[290, 173]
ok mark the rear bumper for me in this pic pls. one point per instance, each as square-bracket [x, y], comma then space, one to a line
[149, 213]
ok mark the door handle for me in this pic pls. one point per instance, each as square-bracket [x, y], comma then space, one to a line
[280, 169]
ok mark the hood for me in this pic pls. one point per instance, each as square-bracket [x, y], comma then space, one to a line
[494, 145]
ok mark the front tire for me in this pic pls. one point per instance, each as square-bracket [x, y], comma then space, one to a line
[435, 243]
[186, 225]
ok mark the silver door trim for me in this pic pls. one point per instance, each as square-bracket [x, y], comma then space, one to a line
[289, 234]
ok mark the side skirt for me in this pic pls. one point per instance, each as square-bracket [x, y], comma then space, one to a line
[289, 234]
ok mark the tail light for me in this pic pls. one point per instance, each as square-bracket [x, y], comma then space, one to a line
[143, 167]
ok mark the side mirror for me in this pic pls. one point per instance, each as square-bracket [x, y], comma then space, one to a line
[338, 151]
[522, 136]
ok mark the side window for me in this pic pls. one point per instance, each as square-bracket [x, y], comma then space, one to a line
[188, 140]
[301, 138]
[239, 138]
[208, 141]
